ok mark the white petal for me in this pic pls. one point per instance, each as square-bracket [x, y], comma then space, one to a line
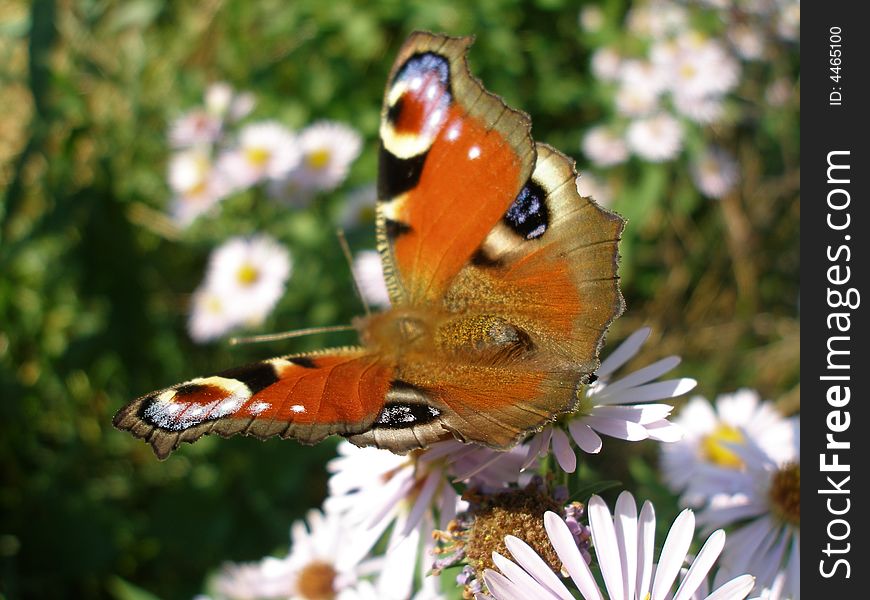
[536, 567]
[659, 390]
[564, 452]
[673, 554]
[587, 440]
[665, 431]
[534, 448]
[623, 352]
[520, 578]
[701, 565]
[643, 414]
[646, 530]
[623, 430]
[423, 501]
[567, 551]
[641, 376]
[606, 547]
[501, 587]
[736, 589]
[625, 522]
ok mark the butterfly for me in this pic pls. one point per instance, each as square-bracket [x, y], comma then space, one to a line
[502, 278]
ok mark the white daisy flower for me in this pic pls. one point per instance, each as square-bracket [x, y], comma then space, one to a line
[369, 275]
[196, 185]
[266, 150]
[620, 408]
[766, 508]
[592, 186]
[328, 149]
[709, 431]
[249, 275]
[324, 562]
[788, 24]
[374, 488]
[656, 19]
[604, 147]
[656, 139]
[636, 100]
[605, 64]
[715, 172]
[624, 547]
[702, 67]
[209, 318]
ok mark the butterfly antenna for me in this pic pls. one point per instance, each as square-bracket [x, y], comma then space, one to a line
[345, 248]
[285, 335]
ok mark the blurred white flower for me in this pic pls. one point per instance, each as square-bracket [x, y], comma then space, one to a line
[766, 508]
[656, 19]
[748, 40]
[266, 150]
[249, 275]
[702, 67]
[700, 109]
[223, 101]
[624, 547]
[620, 408]
[715, 172]
[369, 275]
[196, 127]
[711, 430]
[592, 186]
[591, 18]
[656, 139]
[636, 100]
[788, 24]
[604, 147]
[328, 149]
[779, 92]
[605, 64]
[196, 185]
[324, 562]
[208, 316]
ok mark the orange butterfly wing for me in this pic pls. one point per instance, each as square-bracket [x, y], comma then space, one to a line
[306, 397]
[453, 158]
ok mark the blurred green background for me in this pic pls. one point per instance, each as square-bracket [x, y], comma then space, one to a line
[93, 292]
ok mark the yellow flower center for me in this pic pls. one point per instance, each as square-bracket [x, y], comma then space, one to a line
[714, 448]
[785, 493]
[247, 275]
[688, 71]
[316, 581]
[318, 159]
[257, 156]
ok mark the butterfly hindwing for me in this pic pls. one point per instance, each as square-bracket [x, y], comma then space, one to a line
[453, 158]
[306, 397]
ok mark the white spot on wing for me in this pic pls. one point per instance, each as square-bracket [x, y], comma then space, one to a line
[453, 132]
[297, 408]
[416, 83]
[474, 152]
[257, 407]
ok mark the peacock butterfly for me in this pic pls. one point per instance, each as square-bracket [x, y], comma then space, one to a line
[502, 280]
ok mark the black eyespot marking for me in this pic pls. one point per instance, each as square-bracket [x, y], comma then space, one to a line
[423, 63]
[529, 216]
[256, 376]
[591, 379]
[397, 175]
[400, 416]
[303, 361]
[396, 229]
[395, 111]
[481, 259]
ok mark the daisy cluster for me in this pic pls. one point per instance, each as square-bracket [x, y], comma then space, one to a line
[461, 520]
[671, 77]
[217, 153]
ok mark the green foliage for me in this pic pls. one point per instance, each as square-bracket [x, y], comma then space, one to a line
[93, 293]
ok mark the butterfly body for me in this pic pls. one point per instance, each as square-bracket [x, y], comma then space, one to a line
[502, 280]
